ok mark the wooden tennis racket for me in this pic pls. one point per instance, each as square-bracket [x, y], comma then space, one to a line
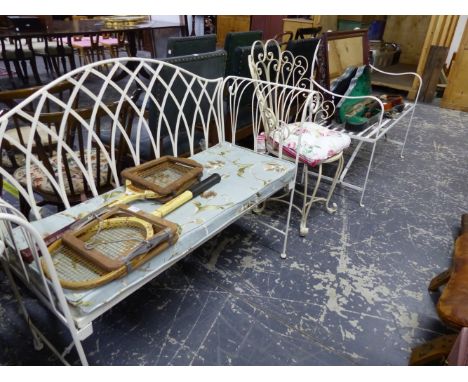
[167, 176]
[117, 242]
[130, 195]
[160, 179]
[77, 272]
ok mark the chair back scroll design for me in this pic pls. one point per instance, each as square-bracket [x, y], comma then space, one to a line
[105, 128]
[274, 106]
[281, 105]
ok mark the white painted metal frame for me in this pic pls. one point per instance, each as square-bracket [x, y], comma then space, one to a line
[210, 97]
[268, 62]
[80, 79]
[50, 293]
[198, 90]
[286, 103]
[373, 133]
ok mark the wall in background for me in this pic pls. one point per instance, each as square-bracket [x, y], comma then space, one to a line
[456, 38]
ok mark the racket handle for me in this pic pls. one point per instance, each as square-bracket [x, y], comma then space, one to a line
[191, 193]
[172, 205]
[204, 185]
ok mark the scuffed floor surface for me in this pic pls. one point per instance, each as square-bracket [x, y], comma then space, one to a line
[353, 292]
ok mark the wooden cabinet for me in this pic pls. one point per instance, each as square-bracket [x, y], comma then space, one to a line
[226, 24]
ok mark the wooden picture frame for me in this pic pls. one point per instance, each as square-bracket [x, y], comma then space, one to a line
[323, 54]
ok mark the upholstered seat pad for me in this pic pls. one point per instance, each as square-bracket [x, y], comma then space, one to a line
[42, 184]
[247, 178]
[6, 161]
[317, 142]
[108, 41]
[85, 42]
[25, 132]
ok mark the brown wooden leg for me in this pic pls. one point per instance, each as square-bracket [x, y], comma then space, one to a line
[434, 352]
[35, 72]
[439, 280]
[25, 208]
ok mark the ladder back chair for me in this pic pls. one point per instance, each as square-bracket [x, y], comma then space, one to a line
[19, 52]
[55, 148]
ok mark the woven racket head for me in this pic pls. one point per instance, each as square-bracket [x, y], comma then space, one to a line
[167, 176]
[76, 271]
[122, 233]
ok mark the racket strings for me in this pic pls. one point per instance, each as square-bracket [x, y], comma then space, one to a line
[114, 242]
[71, 266]
[163, 176]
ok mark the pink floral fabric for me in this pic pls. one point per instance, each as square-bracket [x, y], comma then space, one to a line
[41, 183]
[317, 142]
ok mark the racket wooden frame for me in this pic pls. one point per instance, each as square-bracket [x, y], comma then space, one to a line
[104, 276]
[135, 189]
[192, 172]
[155, 216]
[151, 224]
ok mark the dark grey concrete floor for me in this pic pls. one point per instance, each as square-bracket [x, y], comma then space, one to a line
[353, 292]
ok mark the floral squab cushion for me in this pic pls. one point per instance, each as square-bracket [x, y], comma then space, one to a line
[25, 132]
[317, 143]
[41, 183]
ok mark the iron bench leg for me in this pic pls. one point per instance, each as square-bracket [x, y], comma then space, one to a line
[367, 174]
[407, 131]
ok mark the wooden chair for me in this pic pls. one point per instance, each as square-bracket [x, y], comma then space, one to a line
[89, 48]
[38, 148]
[19, 52]
[55, 53]
[115, 43]
[452, 307]
[307, 32]
[19, 128]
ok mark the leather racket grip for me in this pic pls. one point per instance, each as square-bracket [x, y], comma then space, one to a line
[92, 255]
[204, 185]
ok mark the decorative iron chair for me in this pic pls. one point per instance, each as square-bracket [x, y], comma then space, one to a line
[317, 144]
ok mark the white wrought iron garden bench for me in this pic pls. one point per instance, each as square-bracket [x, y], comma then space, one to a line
[86, 157]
